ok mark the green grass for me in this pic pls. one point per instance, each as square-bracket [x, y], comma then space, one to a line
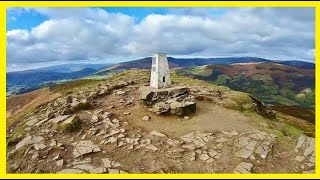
[221, 79]
[179, 79]
[71, 85]
[291, 131]
[280, 128]
[283, 100]
[261, 86]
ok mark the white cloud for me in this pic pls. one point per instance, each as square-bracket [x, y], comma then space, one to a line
[73, 34]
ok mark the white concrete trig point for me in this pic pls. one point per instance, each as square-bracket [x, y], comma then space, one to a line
[160, 74]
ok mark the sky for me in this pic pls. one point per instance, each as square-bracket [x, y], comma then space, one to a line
[40, 37]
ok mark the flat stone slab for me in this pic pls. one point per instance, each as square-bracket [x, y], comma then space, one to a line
[243, 168]
[29, 140]
[85, 147]
[71, 171]
[156, 133]
[59, 119]
[32, 122]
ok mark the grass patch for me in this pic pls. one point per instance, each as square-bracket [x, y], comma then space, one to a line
[68, 86]
[288, 130]
[302, 125]
[177, 79]
[279, 128]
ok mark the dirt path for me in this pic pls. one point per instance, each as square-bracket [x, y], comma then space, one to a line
[208, 117]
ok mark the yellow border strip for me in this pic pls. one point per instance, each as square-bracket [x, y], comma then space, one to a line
[317, 80]
[2, 92]
[3, 7]
[162, 3]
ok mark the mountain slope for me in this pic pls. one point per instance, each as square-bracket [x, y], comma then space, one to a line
[299, 64]
[108, 135]
[270, 82]
[145, 63]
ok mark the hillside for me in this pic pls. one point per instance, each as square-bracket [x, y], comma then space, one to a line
[271, 83]
[97, 126]
[145, 63]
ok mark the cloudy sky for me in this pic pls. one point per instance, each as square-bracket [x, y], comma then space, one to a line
[38, 37]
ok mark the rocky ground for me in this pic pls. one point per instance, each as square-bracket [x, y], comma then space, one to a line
[104, 128]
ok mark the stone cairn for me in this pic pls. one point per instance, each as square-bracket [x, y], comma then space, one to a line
[175, 100]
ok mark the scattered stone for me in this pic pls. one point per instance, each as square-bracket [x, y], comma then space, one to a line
[35, 155]
[299, 158]
[98, 111]
[83, 106]
[221, 140]
[156, 133]
[71, 124]
[59, 119]
[199, 139]
[59, 163]
[232, 133]
[213, 153]
[112, 140]
[243, 141]
[186, 117]
[172, 142]
[71, 171]
[56, 157]
[189, 146]
[106, 163]
[115, 164]
[98, 170]
[204, 157]
[243, 168]
[39, 146]
[114, 171]
[41, 122]
[244, 153]
[83, 137]
[84, 161]
[29, 140]
[84, 147]
[86, 167]
[151, 147]
[32, 122]
[305, 150]
[94, 118]
[146, 118]
[119, 92]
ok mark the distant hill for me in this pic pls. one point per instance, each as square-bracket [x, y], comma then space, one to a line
[25, 81]
[67, 68]
[270, 82]
[145, 63]
[300, 64]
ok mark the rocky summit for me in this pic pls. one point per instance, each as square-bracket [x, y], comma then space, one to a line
[174, 100]
[119, 125]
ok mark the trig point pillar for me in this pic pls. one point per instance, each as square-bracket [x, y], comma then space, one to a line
[160, 75]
